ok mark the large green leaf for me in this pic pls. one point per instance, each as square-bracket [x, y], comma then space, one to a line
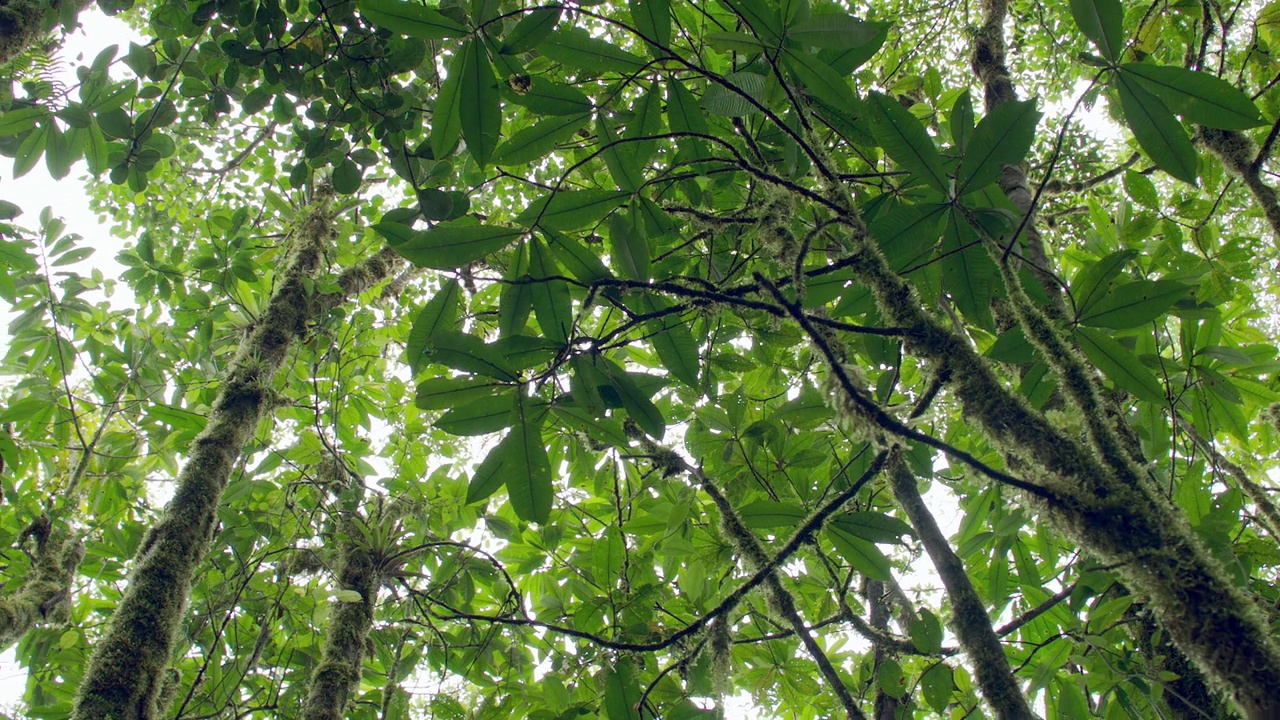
[1157, 130]
[673, 342]
[446, 119]
[1094, 280]
[628, 247]
[576, 48]
[653, 21]
[447, 245]
[1134, 304]
[1102, 21]
[621, 692]
[537, 141]
[1003, 137]
[905, 140]
[862, 554]
[1197, 96]
[469, 353]
[571, 209]
[411, 18]
[836, 31]
[738, 97]
[440, 314]
[547, 97]
[873, 526]
[532, 29]
[764, 514]
[529, 479]
[491, 473]
[821, 79]
[1120, 366]
[969, 273]
[478, 106]
[635, 401]
[550, 296]
[481, 416]
[445, 392]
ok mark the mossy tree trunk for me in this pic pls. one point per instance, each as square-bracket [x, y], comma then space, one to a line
[338, 673]
[128, 665]
[46, 594]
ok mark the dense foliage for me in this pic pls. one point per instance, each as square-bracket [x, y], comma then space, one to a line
[643, 359]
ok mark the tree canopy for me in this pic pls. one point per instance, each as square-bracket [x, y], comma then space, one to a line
[645, 359]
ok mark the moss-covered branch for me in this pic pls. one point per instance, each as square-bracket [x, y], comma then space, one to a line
[777, 597]
[126, 670]
[1123, 522]
[969, 617]
[338, 673]
[1239, 154]
[45, 597]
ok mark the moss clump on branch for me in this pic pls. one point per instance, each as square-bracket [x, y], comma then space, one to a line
[45, 597]
[338, 673]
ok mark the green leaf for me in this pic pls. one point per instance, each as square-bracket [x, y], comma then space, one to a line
[576, 48]
[836, 31]
[862, 554]
[621, 692]
[531, 30]
[478, 106]
[969, 273]
[1102, 21]
[584, 265]
[440, 314]
[1156, 129]
[742, 97]
[571, 209]
[537, 141]
[551, 302]
[937, 685]
[619, 157]
[926, 632]
[1120, 366]
[447, 245]
[546, 97]
[820, 79]
[1197, 96]
[446, 119]
[628, 247]
[763, 514]
[348, 596]
[31, 149]
[529, 481]
[904, 139]
[635, 401]
[652, 20]
[673, 342]
[1134, 304]
[1141, 189]
[347, 177]
[874, 526]
[58, 152]
[515, 300]
[846, 60]
[1003, 137]
[479, 417]
[491, 473]
[1093, 281]
[526, 351]
[684, 116]
[411, 18]
[889, 678]
[446, 392]
[962, 121]
[17, 121]
[468, 353]
[760, 17]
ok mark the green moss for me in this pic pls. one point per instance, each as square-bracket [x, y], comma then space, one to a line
[45, 598]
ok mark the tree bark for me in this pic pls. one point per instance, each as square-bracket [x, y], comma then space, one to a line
[46, 595]
[126, 670]
[969, 617]
[338, 673]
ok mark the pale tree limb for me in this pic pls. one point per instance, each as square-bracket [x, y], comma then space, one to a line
[969, 617]
[1240, 155]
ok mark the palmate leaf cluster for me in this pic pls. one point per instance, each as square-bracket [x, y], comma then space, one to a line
[686, 307]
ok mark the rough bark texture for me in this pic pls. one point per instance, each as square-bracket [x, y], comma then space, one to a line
[969, 617]
[338, 673]
[126, 671]
[1238, 153]
[22, 22]
[46, 595]
[880, 611]
[1119, 517]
